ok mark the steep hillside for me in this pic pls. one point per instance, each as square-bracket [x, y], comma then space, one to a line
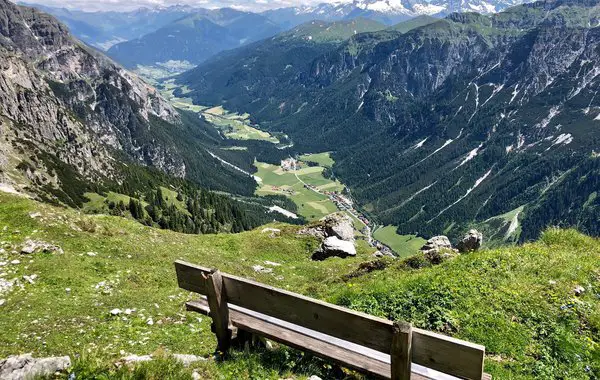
[195, 38]
[72, 119]
[519, 302]
[251, 75]
[451, 123]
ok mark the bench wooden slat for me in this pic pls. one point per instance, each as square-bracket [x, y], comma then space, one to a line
[189, 277]
[323, 349]
[355, 327]
[449, 355]
[445, 354]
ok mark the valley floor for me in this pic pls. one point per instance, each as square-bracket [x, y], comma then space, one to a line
[519, 302]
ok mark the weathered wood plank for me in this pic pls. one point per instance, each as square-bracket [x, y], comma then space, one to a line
[219, 311]
[401, 351]
[352, 326]
[452, 356]
[449, 355]
[298, 340]
[190, 277]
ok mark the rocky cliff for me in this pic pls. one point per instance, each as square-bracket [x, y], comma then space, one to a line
[63, 103]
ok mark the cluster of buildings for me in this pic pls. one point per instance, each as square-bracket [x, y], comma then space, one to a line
[283, 190]
[290, 164]
[341, 201]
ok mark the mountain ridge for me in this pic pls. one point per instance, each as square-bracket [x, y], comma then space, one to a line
[63, 102]
[194, 38]
[468, 108]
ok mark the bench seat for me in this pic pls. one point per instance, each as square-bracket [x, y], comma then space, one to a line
[345, 353]
[363, 342]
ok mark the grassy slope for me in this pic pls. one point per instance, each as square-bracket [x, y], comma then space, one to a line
[324, 159]
[517, 301]
[136, 263]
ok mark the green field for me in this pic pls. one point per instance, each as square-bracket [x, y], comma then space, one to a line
[179, 102]
[310, 204]
[235, 126]
[323, 159]
[158, 72]
[99, 203]
[403, 245]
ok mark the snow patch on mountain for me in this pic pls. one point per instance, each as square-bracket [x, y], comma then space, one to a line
[469, 191]
[448, 142]
[417, 193]
[428, 9]
[563, 138]
[420, 143]
[554, 111]
[471, 155]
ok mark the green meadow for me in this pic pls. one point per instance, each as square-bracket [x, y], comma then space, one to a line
[403, 245]
[517, 301]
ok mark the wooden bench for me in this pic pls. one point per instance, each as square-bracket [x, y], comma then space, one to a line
[355, 340]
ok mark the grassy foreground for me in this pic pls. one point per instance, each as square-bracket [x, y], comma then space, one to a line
[519, 302]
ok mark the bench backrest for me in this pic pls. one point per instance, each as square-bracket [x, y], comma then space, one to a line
[451, 356]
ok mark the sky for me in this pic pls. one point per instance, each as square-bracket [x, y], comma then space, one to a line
[126, 5]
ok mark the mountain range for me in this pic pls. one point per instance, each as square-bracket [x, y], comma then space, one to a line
[104, 29]
[470, 120]
[195, 37]
[387, 11]
[436, 125]
[189, 35]
[77, 126]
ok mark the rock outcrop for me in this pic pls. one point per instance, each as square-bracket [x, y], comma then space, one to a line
[70, 115]
[438, 249]
[34, 246]
[73, 102]
[437, 243]
[334, 246]
[471, 242]
[27, 367]
[339, 225]
[336, 232]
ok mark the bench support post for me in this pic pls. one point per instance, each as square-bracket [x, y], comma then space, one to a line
[219, 311]
[401, 351]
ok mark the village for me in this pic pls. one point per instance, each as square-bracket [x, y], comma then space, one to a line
[342, 201]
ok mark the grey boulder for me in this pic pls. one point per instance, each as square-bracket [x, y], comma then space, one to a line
[339, 225]
[471, 242]
[438, 249]
[334, 246]
[25, 367]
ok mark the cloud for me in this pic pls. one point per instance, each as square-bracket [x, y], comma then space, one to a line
[128, 5]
